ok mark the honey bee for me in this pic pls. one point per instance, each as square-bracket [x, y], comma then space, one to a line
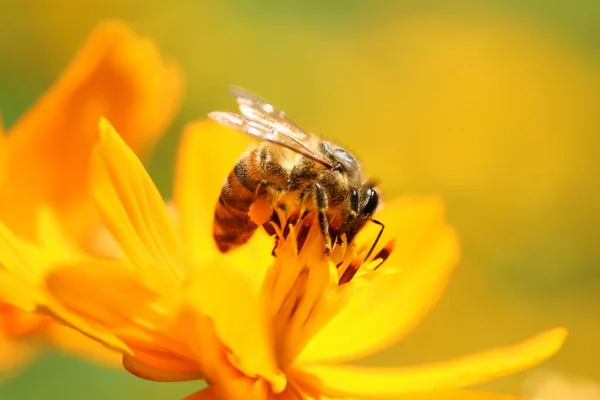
[293, 171]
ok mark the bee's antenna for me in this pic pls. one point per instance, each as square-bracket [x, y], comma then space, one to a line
[376, 239]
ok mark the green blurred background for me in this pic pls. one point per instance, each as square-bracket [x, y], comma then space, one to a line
[493, 105]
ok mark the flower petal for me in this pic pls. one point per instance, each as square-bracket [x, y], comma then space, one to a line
[240, 320]
[161, 368]
[355, 381]
[207, 154]
[89, 298]
[110, 294]
[213, 358]
[131, 206]
[395, 300]
[22, 267]
[116, 74]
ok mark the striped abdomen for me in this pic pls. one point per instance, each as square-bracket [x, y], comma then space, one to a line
[232, 226]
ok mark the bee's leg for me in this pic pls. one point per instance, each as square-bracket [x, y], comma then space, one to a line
[263, 188]
[265, 185]
[321, 201]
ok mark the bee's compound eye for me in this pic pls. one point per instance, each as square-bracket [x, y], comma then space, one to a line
[372, 201]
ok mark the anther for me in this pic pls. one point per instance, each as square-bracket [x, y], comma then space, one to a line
[303, 233]
[385, 252]
[350, 272]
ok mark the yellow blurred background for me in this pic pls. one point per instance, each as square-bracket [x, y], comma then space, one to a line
[495, 107]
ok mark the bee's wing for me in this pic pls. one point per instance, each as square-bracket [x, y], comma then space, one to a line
[272, 130]
[255, 107]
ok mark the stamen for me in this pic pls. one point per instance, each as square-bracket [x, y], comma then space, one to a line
[385, 252]
[350, 272]
[303, 232]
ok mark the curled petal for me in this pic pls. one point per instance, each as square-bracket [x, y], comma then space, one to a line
[131, 206]
[355, 381]
[411, 281]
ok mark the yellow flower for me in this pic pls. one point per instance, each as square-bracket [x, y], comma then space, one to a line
[254, 326]
[44, 160]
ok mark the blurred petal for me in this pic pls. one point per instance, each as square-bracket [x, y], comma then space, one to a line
[387, 307]
[207, 154]
[22, 267]
[131, 206]
[346, 380]
[115, 74]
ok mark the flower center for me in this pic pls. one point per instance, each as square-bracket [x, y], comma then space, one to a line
[305, 288]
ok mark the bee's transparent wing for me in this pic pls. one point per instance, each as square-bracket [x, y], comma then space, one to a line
[273, 131]
[255, 107]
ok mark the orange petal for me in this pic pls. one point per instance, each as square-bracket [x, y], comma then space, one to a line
[132, 208]
[59, 313]
[116, 74]
[207, 154]
[387, 307]
[109, 294]
[355, 381]
[240, 320]
[161, 368]
[213, 358]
